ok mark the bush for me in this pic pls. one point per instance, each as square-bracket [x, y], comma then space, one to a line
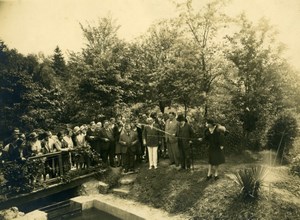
[111, 177]
[281, 135]
[250, 181]
[295, 168]
[19, 176]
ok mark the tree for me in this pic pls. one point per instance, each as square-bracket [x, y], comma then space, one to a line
[202, 29]
[30, 95]
[103, 77]
[154, 54]
[257, 88]
[58, 62]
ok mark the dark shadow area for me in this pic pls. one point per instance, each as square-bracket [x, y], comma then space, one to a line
[49, 200]
[188, 197]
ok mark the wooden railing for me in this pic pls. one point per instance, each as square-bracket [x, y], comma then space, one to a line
[57, 164]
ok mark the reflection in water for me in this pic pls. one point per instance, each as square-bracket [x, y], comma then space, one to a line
[93, 214]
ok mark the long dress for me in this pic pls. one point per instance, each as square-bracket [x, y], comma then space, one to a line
[215, 140]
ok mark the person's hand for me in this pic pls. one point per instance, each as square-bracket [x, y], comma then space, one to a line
[190, 142]
[200, 139]
[106, 139]
[221, 147]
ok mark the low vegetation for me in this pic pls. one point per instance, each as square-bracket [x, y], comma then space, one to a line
[188, 193]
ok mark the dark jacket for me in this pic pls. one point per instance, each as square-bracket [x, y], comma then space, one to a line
[215, 140]
[130, 140]
[152, 135]
[184, 135]
[106, 134]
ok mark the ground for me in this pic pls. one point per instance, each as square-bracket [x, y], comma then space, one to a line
[188, 193]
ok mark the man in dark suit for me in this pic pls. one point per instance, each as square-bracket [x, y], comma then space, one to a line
[128, 141]
[107, 141]
[185, 134]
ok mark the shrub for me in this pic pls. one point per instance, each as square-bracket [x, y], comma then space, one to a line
[111, 177]
[281, 135]
[295, 168]
[250, 181]
[19, 176]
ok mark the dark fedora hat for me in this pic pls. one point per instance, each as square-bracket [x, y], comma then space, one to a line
[180, 118]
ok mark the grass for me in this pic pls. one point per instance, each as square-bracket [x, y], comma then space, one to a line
[189, 194]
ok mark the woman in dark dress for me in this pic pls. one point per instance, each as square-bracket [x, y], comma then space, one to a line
[214, 136]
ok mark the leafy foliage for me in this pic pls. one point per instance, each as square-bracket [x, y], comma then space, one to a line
[282, 134]
[257, 82]
[20, 176]
[295, 167]
[250, 180]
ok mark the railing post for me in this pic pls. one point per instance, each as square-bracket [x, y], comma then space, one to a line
[60, 164]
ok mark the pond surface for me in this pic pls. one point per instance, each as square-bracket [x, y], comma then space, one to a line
[93, 214]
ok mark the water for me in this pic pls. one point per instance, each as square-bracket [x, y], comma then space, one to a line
[93, 214]
[49, 200]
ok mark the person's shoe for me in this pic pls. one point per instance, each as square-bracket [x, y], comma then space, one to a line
[150, 168]
[155, 168]
[216, 177]
[126, 171]
[208, 177]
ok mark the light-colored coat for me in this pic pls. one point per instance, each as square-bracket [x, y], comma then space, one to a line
[171, 129]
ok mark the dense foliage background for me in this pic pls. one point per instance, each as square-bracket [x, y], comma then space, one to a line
[194, 62]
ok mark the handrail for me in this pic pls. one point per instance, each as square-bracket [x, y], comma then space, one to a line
[45, 155]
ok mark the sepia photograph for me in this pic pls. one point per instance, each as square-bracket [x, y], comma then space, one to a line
[149, 109]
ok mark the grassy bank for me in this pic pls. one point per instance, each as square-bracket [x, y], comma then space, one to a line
[188, 193]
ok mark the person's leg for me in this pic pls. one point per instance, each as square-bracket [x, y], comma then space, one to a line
[181, 155]
[176, 153]
[188, 157]
[155, 157]
[216, 171]
[112, 149]
[131, 160]
[125, 162]
[150, 155]
[119, 160]
[170, 153]
[105, 157]
[209, 171]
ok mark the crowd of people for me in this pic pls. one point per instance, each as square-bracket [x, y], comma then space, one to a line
[119, 142]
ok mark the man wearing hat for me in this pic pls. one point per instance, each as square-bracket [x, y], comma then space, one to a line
[184, 134]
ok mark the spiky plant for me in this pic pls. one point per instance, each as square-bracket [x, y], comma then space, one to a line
[250, 180]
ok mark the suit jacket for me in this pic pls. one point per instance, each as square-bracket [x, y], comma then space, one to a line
[152, 136]
[171, 128]
[130, 139]
[185, 134]
[106, 134]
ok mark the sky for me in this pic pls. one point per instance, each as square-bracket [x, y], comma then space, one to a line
[33, 26]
